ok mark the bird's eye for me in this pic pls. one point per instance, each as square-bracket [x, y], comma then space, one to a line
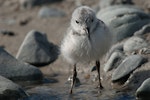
[92, 20]
[77, 22]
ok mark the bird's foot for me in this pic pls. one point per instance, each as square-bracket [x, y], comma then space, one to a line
[100, 88]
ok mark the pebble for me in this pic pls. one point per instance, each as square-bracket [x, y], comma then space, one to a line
[46, 12]
[70, 79]
[25, 21]
[16, 70]
[145, 29]
[37, 50]
[114, 60]
[115, 47]
[7, 32]
[134, 43]
[128, 65]
[143, 92]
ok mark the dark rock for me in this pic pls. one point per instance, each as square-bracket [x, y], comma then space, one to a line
[145, 29]
[16, 70]
[143, 92]
[10, 90]
[36, 49]
[127, 66]
[114, 60]
[123, 21]
[93, 68]
[6, 32]
[107, 3]
[27, 4]
[70, 79]
[23, 22]
[47, 12]
[134, 43]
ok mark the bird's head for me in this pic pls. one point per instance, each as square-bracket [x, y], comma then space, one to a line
[83, 20]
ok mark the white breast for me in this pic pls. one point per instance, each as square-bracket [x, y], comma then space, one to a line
[77, 48]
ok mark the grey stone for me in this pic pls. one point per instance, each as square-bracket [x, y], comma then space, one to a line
[123, 21]
[36, 49]
[143, 92]
[134, 43]
[9, 90]
[145, 29]
[114, 60]
[127, 66]
[115, 47]
[46, 12]
[107, 3]
[16, 70]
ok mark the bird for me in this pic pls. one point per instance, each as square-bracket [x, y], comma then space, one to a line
[87, 39]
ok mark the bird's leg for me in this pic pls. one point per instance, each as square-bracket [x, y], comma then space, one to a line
[98, 71]
[74, 78]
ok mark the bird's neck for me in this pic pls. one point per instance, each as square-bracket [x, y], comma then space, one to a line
[93, 29]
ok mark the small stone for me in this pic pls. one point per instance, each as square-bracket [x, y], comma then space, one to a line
[145, 29]
[87, 76]
[16, 70]
[46, 80]
[10, 90]
[23, 22]
[115, 47]
[134, 43]
[37, 50]
[6, 32]
[77, 83]
[127, 66]
[114, 60]
[46, 12]
[93, 68]
[143, 92]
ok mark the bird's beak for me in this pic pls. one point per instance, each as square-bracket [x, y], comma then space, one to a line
[87, 30]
